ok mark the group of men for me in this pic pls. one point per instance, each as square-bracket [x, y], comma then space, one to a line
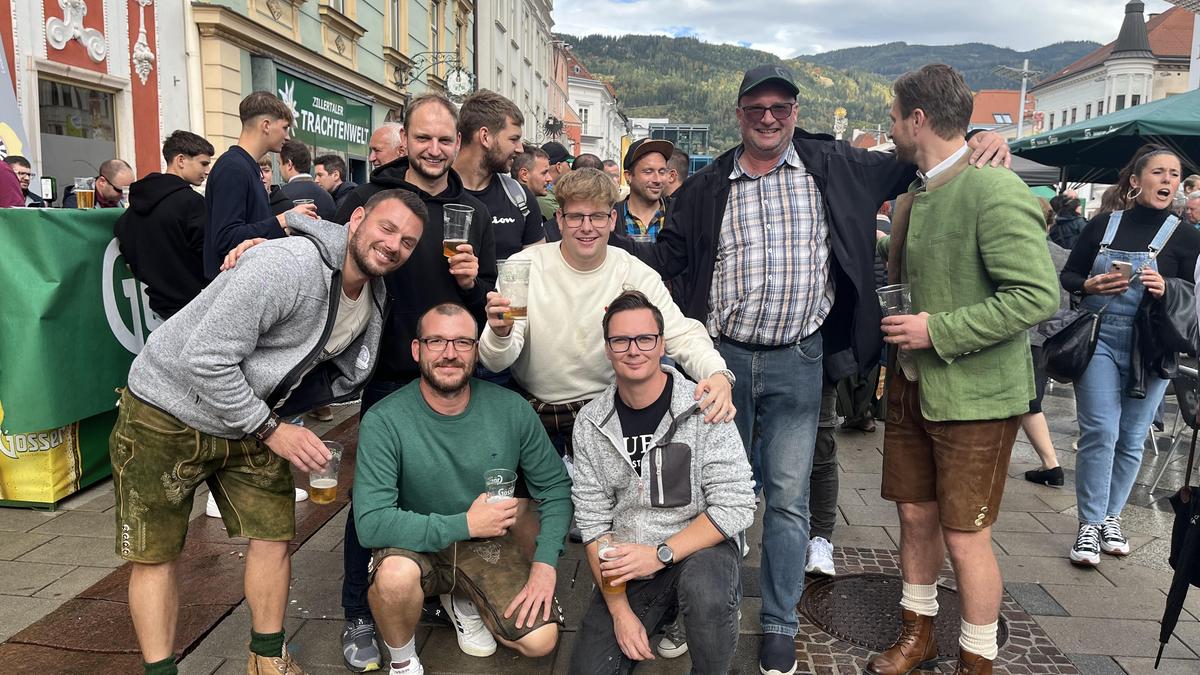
[769, 253]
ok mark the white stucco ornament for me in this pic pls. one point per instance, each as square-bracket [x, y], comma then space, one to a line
[60, 32]
[142, 56]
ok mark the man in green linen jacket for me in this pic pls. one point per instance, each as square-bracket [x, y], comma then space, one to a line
[972, 248]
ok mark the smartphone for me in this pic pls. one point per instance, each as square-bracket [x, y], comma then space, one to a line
[1123, 268]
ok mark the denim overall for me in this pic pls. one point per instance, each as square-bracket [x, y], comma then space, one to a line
[1110, 446]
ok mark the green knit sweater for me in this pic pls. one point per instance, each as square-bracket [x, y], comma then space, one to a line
[418, 471]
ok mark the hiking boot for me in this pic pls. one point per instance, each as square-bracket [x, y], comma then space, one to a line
[820, 557]
[674, 642]
[915, 648]
[273, 665]
[1086, 551]
[972, 664]
[473, 636]
[1112, 541]
[359, 646]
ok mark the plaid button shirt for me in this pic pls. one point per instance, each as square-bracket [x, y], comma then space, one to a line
[634, 226]
[771, 283]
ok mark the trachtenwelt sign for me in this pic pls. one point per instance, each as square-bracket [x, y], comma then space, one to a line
[324, 118]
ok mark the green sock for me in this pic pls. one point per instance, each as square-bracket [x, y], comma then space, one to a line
[164, 667]
[266, 644]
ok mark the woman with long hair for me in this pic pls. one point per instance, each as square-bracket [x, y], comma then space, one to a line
[1118, 263]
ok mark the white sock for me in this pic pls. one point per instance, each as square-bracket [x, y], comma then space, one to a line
[920, 598]
[403, 654]
[979, 640]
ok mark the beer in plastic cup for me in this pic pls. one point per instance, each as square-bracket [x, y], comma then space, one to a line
[642, 238]
[299, 202]
[606, 550]
[501, 484]
[322, 483]
[513, 284]
[895, 299]
[85, 193]
[456, 219]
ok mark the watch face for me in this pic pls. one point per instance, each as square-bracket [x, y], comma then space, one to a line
[665, 555]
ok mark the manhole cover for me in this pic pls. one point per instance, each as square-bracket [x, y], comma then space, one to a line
[864, 610]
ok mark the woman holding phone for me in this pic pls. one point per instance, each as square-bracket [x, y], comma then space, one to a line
[1118, 263]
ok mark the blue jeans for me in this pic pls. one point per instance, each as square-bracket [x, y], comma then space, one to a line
[778, 398]
[707, 589]
[1111, 442]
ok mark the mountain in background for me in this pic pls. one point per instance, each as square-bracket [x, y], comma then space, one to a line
[974, 60]
[696, 82]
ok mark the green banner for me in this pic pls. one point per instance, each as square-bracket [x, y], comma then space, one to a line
[71, 317]
[325, 118]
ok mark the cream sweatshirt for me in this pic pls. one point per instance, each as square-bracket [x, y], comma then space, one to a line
[557, 354]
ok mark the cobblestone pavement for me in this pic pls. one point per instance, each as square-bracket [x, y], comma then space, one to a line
[62, 591]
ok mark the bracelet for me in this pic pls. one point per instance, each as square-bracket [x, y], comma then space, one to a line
[267, 428]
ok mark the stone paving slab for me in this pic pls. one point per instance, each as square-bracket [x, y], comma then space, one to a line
[1113, 637]
[80, 524]
[87, 551]
[13, 545]
[24, 659]
[20, 612]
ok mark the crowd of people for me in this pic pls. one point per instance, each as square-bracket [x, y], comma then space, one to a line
[687, 345]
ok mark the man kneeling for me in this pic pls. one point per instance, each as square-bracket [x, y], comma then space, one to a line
[670, 492]
[419, 503]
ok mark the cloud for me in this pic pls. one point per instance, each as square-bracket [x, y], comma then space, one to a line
[793, 27]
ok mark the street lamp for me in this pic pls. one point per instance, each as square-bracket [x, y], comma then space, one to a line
[1022, 74]
[839, 122]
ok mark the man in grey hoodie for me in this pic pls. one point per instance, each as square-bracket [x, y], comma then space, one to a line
[671, 491]
[295, 325]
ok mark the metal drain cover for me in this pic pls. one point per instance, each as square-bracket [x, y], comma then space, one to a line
[864, 610]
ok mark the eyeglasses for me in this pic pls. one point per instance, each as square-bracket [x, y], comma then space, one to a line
[779, 111]
[577, 219]
[620, 343]
[439, 344]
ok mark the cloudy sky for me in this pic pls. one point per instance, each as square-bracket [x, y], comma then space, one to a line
[793, 27]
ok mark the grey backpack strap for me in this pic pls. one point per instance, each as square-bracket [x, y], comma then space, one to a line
[516, 194]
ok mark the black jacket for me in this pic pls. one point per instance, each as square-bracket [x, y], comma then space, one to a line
[1151, 354]
[425, 280]
[853, 183]
[1067, 229]
[161, 236]
[304, 188]
[342, 191]
[237, 207]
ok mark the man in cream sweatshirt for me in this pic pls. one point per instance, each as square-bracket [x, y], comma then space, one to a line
[557, 353]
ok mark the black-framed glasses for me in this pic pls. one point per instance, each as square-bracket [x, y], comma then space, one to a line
[573, 219]
[619, 344]
[779, 111]
[438, 344]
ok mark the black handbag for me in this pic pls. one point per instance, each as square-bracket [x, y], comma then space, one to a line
[1067, 353]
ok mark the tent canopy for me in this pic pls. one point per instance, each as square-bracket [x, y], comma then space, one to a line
[1095, 150]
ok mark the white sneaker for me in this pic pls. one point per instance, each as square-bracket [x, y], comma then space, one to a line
[210, 509]
[1086, 551]
[820, 557]
[674, 642]
[1112, 541]
[413, 667]
[473, 636]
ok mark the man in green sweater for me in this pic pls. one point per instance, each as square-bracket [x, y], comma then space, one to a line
[420, 503]
[972, 248]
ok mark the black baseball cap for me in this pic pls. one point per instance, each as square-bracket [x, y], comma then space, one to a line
[642, 147]
[759, 75]
[557, 152]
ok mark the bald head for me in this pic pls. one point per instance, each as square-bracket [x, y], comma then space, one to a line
[387, 144]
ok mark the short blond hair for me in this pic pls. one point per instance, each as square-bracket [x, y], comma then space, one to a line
[586, 185]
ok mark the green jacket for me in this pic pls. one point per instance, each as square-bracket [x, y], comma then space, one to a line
[976, 258]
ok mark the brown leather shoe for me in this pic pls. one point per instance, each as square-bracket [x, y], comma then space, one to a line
[915, 648]
[972, 664]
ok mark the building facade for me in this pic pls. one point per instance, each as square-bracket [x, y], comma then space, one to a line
[516, 58]
[602, 123]
[1148, 61]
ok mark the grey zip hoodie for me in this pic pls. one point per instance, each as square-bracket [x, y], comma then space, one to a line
[227, 358]
[692, 468]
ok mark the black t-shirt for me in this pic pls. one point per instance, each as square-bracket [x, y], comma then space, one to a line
[512, 230]
[638, 424]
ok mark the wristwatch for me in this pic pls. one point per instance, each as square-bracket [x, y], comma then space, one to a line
[268, 427]
[665, 555]
[728, 375]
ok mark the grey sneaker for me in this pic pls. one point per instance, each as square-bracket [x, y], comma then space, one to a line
[674, 642]
[359, 648]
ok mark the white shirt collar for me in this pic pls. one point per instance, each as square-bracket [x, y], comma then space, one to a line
[946, 164]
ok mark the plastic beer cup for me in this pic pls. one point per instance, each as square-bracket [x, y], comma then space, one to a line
[606, 550]
[456, 220]
[322, 483]
[513, 284]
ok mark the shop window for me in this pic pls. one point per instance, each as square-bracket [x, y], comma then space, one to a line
[78, 129]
